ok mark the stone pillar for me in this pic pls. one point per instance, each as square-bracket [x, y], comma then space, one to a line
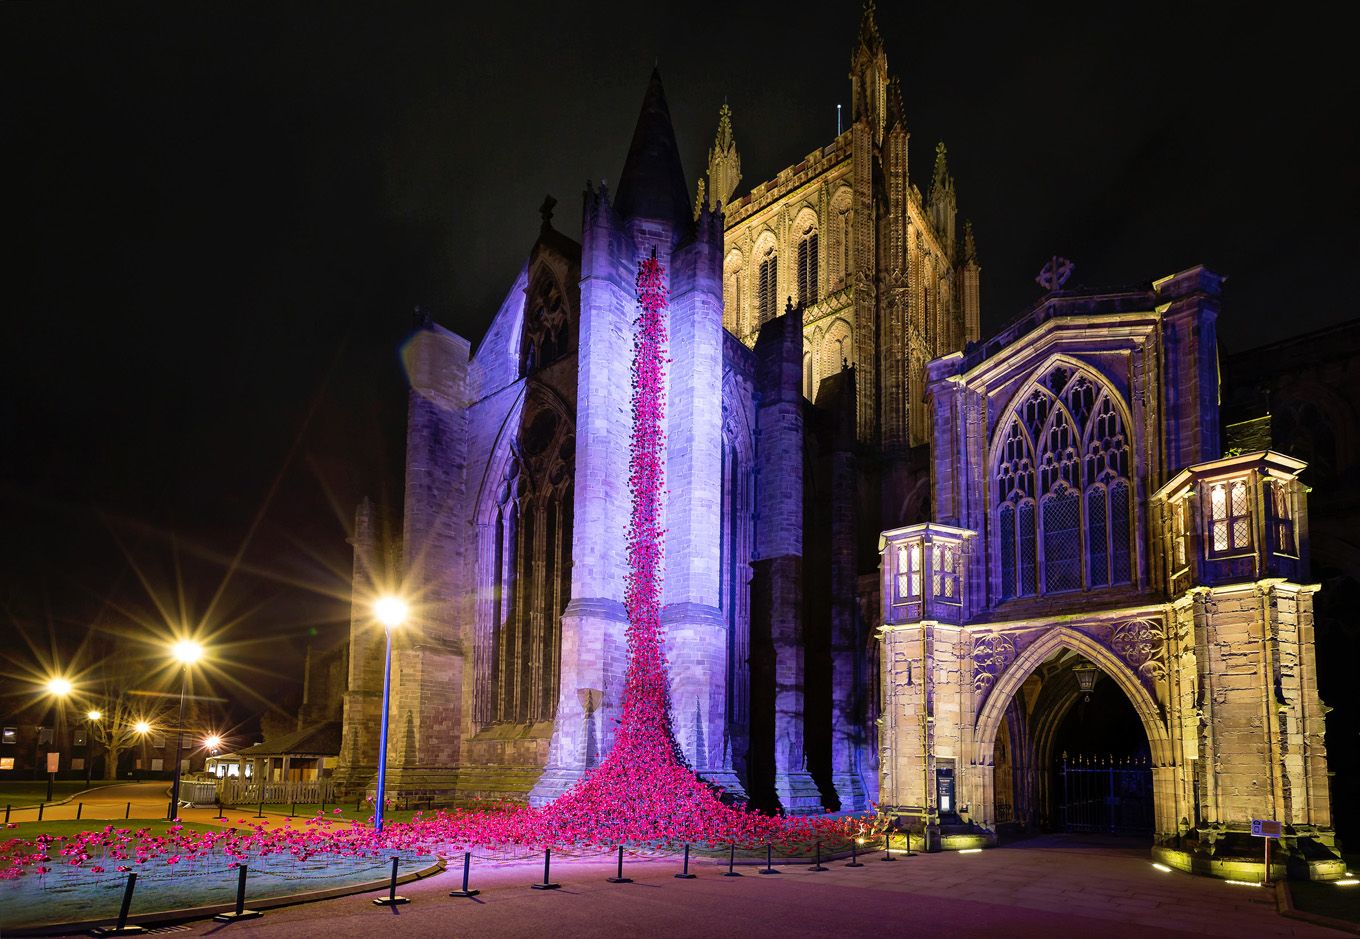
[1190, 347]
[594, 654]
[425, 732]
[695, 629]
[777, 575]
[847, 706]
[363, 698]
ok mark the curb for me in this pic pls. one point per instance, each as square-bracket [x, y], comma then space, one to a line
[166, 917]
[1284, 904]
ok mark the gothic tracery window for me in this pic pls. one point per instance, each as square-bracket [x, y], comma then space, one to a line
[528, 552]
[546, 333]
[1063, 491]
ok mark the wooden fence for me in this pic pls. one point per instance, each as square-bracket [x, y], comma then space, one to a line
[235, 791]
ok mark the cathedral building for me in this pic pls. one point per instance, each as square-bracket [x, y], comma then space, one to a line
[898, 556]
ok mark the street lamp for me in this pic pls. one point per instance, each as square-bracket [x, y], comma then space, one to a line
[58, 687]
[391, 612]
[186, 652]
[92, 717]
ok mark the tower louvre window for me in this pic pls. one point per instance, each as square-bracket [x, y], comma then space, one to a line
[807, 268]
[767, 297]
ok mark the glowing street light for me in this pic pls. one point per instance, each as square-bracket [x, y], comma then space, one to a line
[212, 742]
[59, 687]
[391, 612]
[92, 717]
[186, 652]
[142, 727]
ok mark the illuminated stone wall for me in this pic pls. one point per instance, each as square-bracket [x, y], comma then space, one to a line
[1086, 524]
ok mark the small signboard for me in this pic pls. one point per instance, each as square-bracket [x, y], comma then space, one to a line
[1265, 828]
[53, 761]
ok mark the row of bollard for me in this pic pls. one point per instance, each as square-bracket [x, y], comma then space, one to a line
[122, 928]
[80, 810]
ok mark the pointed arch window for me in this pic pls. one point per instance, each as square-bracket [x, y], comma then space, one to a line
[767, 287]
[807, 267]
[1063, 460]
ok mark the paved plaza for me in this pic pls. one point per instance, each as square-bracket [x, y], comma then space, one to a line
[1053, 885]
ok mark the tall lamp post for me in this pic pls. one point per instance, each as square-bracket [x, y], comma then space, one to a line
[92, 717]
[391, 612]
[186, 652]
[59, 688]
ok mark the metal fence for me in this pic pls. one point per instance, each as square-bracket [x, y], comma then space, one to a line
[1109, 794]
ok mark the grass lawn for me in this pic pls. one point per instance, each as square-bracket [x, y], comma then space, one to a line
[1327, 899]
[308, 810]
[32, 791]
[31, 830]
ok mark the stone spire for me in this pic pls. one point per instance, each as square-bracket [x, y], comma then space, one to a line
[969, 245]
[653, 184]
[724, 165]
[943, 202]
[869, 74]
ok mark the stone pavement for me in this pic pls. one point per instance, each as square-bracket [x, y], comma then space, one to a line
[1054, 885]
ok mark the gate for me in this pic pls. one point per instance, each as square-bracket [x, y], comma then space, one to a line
[1109, 794]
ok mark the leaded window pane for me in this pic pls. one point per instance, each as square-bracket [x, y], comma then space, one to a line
[1121, 558]
[1006, 536]
[1029, 547]
[1097, 537]
[1062, 544]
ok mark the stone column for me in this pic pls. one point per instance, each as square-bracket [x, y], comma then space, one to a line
[425, 729]
[695, 629]
[777, 571]
[594, 654]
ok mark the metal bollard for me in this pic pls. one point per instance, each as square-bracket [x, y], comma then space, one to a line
[80, 810]
[465, 892]
[6, 813]
[127, 812]
[769, 854]
[391, 899]
[219, 808]
[684, 874]
[731, 859]
[547, 884]
[619, 878]
[854, 856]
[241, 912]
[123, 929]
[818, 866]
[292, 812]
[260, 814]
[41, 806]
[887, 846]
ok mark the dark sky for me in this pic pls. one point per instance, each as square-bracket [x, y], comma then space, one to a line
[220, 217]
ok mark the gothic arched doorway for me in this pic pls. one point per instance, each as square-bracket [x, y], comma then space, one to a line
[1067, 695]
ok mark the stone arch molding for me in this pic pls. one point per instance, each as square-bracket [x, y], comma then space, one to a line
[1007, 685]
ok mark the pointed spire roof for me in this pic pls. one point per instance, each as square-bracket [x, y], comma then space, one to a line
[941, 181]
[653, 183]
[868, 27]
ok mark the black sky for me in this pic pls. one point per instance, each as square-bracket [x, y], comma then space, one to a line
[221, 216]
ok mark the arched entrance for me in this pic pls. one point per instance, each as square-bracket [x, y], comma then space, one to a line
[1076, 740]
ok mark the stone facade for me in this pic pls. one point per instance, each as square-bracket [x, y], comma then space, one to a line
[802, 315]
[1086, 521]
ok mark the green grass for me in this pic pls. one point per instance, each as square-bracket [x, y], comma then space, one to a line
[32, 830]
[309, 809]
[1327, 899]
[33, 791]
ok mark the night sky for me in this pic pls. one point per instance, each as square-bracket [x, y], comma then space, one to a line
[220, 218]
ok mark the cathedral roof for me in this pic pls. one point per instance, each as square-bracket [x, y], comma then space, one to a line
[653, 183]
